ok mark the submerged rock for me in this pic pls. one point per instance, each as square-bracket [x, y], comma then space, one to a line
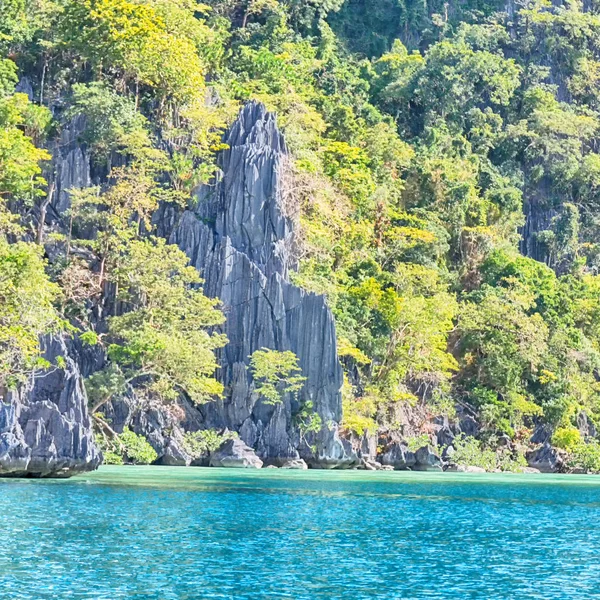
[530, 470]
[370, 465]
[45, 429]
[469, 469]
[295, 464]
[234, 453]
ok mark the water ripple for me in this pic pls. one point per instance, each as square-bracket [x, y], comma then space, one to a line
[150, 533]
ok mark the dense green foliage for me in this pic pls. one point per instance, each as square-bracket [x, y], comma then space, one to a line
[127, 447]
[421, 134]
[275, 374]
[200, 444]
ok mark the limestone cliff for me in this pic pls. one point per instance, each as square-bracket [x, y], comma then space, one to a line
[45, 429]
[239, 238]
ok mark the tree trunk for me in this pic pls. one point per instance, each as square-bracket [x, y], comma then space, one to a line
[43, 210]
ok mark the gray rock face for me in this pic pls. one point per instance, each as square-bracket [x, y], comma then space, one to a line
[445, 437]
[585, 426]
[468, 425]
[45, 429]
[72, 165]
[541, 434]
[235, 454]
[399, 457]
[240, 240]
[546, 459]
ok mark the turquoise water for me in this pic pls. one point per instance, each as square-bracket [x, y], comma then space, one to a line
[167, 533]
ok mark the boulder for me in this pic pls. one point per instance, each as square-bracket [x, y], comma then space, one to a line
[398, 456]
[295, 464]
[546, 459]
[427, 459]
[448, 453]
[234, 453]
[173, 455]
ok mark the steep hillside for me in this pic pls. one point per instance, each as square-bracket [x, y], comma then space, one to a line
[400, 267]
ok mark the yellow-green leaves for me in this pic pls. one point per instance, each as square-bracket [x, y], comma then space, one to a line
[275, 374]
[26, 310]
[165, 333]
[138, 39]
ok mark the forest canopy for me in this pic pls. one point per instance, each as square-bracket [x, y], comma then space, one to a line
[447, 173]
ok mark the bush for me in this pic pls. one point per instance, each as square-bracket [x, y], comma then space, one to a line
[507, 461]
[585, 456]
[136, 448]
[200, 443]
[469, 453]
[567, 438]
[419, 441]
[112, 458]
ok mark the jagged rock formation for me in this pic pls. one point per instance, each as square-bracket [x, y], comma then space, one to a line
[240, 240]
[45, 429]
[72, 165]
[162, 426]
[546, 459]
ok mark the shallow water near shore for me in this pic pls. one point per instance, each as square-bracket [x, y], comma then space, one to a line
[175, 533]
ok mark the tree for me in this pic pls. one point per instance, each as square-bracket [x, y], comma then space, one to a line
[162, 343]
[502, 349]
[275, 374]
[112, 122]
[26, 311]
[138, 41]
[20, 169]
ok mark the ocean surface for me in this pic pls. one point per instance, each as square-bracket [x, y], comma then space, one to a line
[166, 533]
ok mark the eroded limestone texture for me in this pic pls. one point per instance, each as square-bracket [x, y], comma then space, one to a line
[240, 240]
[45, 429]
